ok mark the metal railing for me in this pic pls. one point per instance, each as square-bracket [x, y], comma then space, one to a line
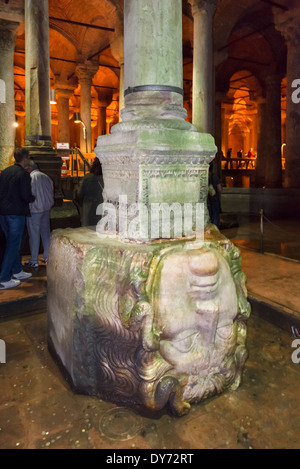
[79, 164]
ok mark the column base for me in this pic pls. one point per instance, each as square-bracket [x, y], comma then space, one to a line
[152, 165]
[157, 326]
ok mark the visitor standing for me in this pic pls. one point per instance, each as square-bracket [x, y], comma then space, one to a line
[213, 199]
[15, 196]
[38, 225]
[228, 159]
[240, 156]
[90, 195]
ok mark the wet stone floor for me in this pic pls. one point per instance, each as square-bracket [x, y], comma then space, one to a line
[39, 411]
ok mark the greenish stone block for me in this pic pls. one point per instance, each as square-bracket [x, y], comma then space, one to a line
[151, 325]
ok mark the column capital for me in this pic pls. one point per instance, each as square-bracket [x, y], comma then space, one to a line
[104, 98]
[206, 6]
[8, 34]
[85, 72]
[64, 90]
[287, 22]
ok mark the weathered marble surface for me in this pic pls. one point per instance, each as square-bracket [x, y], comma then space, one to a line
[8, 33]
[148, 325]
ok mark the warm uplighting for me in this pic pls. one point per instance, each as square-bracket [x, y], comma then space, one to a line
[52, 97]
[16, 123]
[77, 118]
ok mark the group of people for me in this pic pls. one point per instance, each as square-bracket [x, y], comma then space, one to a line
[26, 197]
[244, 160]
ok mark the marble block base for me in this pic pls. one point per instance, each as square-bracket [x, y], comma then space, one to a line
[155, 325]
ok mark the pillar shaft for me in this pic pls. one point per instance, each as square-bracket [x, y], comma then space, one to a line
[85, 75]
[7, 108]
[218, 137]
[37, 94]
[203, 74]
[153, 26]
[102, 121]
[121, 90]
[273, 163]
[37, 70]
[63, 113]
[117, 48]
[287, 22]
[154, 156]
[262, 150]
[292, 163]
[153, 75]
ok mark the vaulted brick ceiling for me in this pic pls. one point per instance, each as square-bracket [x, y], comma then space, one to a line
[244, 39]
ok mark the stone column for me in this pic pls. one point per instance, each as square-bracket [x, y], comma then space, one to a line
[37, 69]
[225, 132]
[154, 149]
[63, 95]
[117, 48]
[203, 73]
[288, 24]
[156, 87]
[38, 112]
[102, 120]
[104, 100]
[262, 148]
[85, 74]
[273, 108]
[218, 134]
[7, 108]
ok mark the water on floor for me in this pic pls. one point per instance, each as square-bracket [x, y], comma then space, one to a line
[39, 411]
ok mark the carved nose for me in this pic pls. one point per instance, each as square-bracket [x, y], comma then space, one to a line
[203, 263]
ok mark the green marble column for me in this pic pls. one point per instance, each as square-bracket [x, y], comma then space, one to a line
[37, 97]
[154, 155]
[7, 107]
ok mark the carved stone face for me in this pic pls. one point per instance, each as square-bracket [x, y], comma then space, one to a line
[196, 307]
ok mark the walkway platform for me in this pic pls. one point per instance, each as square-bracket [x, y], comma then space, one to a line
[27, 298]
[273, 290]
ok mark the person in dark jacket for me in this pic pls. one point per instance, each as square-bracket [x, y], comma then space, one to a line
[89, 195]
[214, 197]
[15, 196]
